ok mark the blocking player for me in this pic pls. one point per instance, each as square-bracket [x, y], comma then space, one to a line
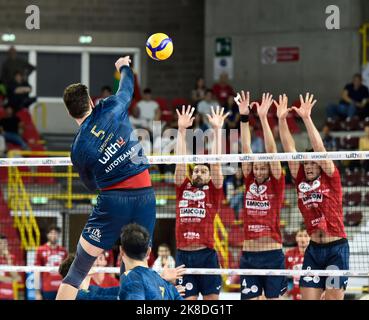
[264, 194]
[198, 199]
[319, 191]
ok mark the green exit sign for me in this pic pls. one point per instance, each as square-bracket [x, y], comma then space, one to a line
[223, 47]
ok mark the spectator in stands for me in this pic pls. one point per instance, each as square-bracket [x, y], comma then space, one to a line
[13, 64]
[135, 119]
[164, 260]
[354, 101]
[222, 90]
[100, 279]
[7, 278]
[18, 93]
[11, 128]
[235, 192]
[149, 109]
[204, 106]
[329, 141]
[106, 91]
[233, 120]
[50, 254]
[364, 146]
[294, 259]
[198, 93]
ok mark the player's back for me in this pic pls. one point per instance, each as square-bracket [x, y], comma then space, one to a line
[143, 283]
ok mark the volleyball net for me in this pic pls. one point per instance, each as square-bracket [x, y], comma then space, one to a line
[40, 190]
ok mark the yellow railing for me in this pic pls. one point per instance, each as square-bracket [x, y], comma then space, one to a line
[364, 30]
[16, 287]
[19, 203]
[221, 242]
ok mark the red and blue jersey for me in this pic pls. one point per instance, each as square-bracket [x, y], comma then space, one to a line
[105, 150]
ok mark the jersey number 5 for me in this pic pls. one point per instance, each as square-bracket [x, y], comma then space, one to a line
[98, 134]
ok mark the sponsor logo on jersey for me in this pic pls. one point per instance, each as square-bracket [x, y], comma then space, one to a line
[305, 187]
[191, 235]
[192, 212]
[258, 228]
[257, 190]
[111, 150]
[316, 221]
[95, 234]
[189, 195]
[255, 204]
[183, 203]
[312, 197]
[120, 159]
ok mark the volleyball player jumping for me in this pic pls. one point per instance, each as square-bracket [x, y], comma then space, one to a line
[109, 158]
[319, 192]
[265, 183]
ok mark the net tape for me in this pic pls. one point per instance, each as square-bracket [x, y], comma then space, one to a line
[205, 271]
[222, 158]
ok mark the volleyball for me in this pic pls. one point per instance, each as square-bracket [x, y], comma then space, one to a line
[159, 46]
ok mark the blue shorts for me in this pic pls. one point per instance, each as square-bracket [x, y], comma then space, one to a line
[114, 210]
[195, 284]
[253, 286]
[334, 255]
[48, 295]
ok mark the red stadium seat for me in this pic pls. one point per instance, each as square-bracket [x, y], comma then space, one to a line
[353, 219]
[352, 198]
[350, 143]
[352, 124]
[351, 178]
[163, 103]
[366, 199]
[179, 102]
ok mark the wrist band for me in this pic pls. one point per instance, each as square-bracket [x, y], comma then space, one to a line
[244, 118]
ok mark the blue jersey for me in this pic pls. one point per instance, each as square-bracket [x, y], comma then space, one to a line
[105, 150]
[142, 283]
[98, 293]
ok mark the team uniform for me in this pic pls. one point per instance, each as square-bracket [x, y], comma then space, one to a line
[195, 212]
[6, 289]
[98, 293]
[294, 261]
[142, 283]
[50, 257]
[263, 203]
[320, 203]
[109, 157]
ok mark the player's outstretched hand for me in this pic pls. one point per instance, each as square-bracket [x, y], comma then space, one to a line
[185, 118]
[281, 105]
[306, 105]
[123, 61]
[243, 102]
[263, 108]
[216, 119]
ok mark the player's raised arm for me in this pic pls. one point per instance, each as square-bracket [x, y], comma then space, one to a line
[315, 139]
[287, 140]
[185, 121]
[216, 119]
[243, 102]
[270, 145]
[126, 84]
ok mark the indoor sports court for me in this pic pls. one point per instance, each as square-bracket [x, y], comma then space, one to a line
[234, 133]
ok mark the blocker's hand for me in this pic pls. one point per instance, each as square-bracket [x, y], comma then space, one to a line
[123, 61]
[172, 274]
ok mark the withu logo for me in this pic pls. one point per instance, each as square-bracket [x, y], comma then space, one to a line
[111, 150]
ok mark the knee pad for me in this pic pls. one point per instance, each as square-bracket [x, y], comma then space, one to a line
[80, 267]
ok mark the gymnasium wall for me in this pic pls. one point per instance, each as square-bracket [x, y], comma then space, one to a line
[327, 61]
